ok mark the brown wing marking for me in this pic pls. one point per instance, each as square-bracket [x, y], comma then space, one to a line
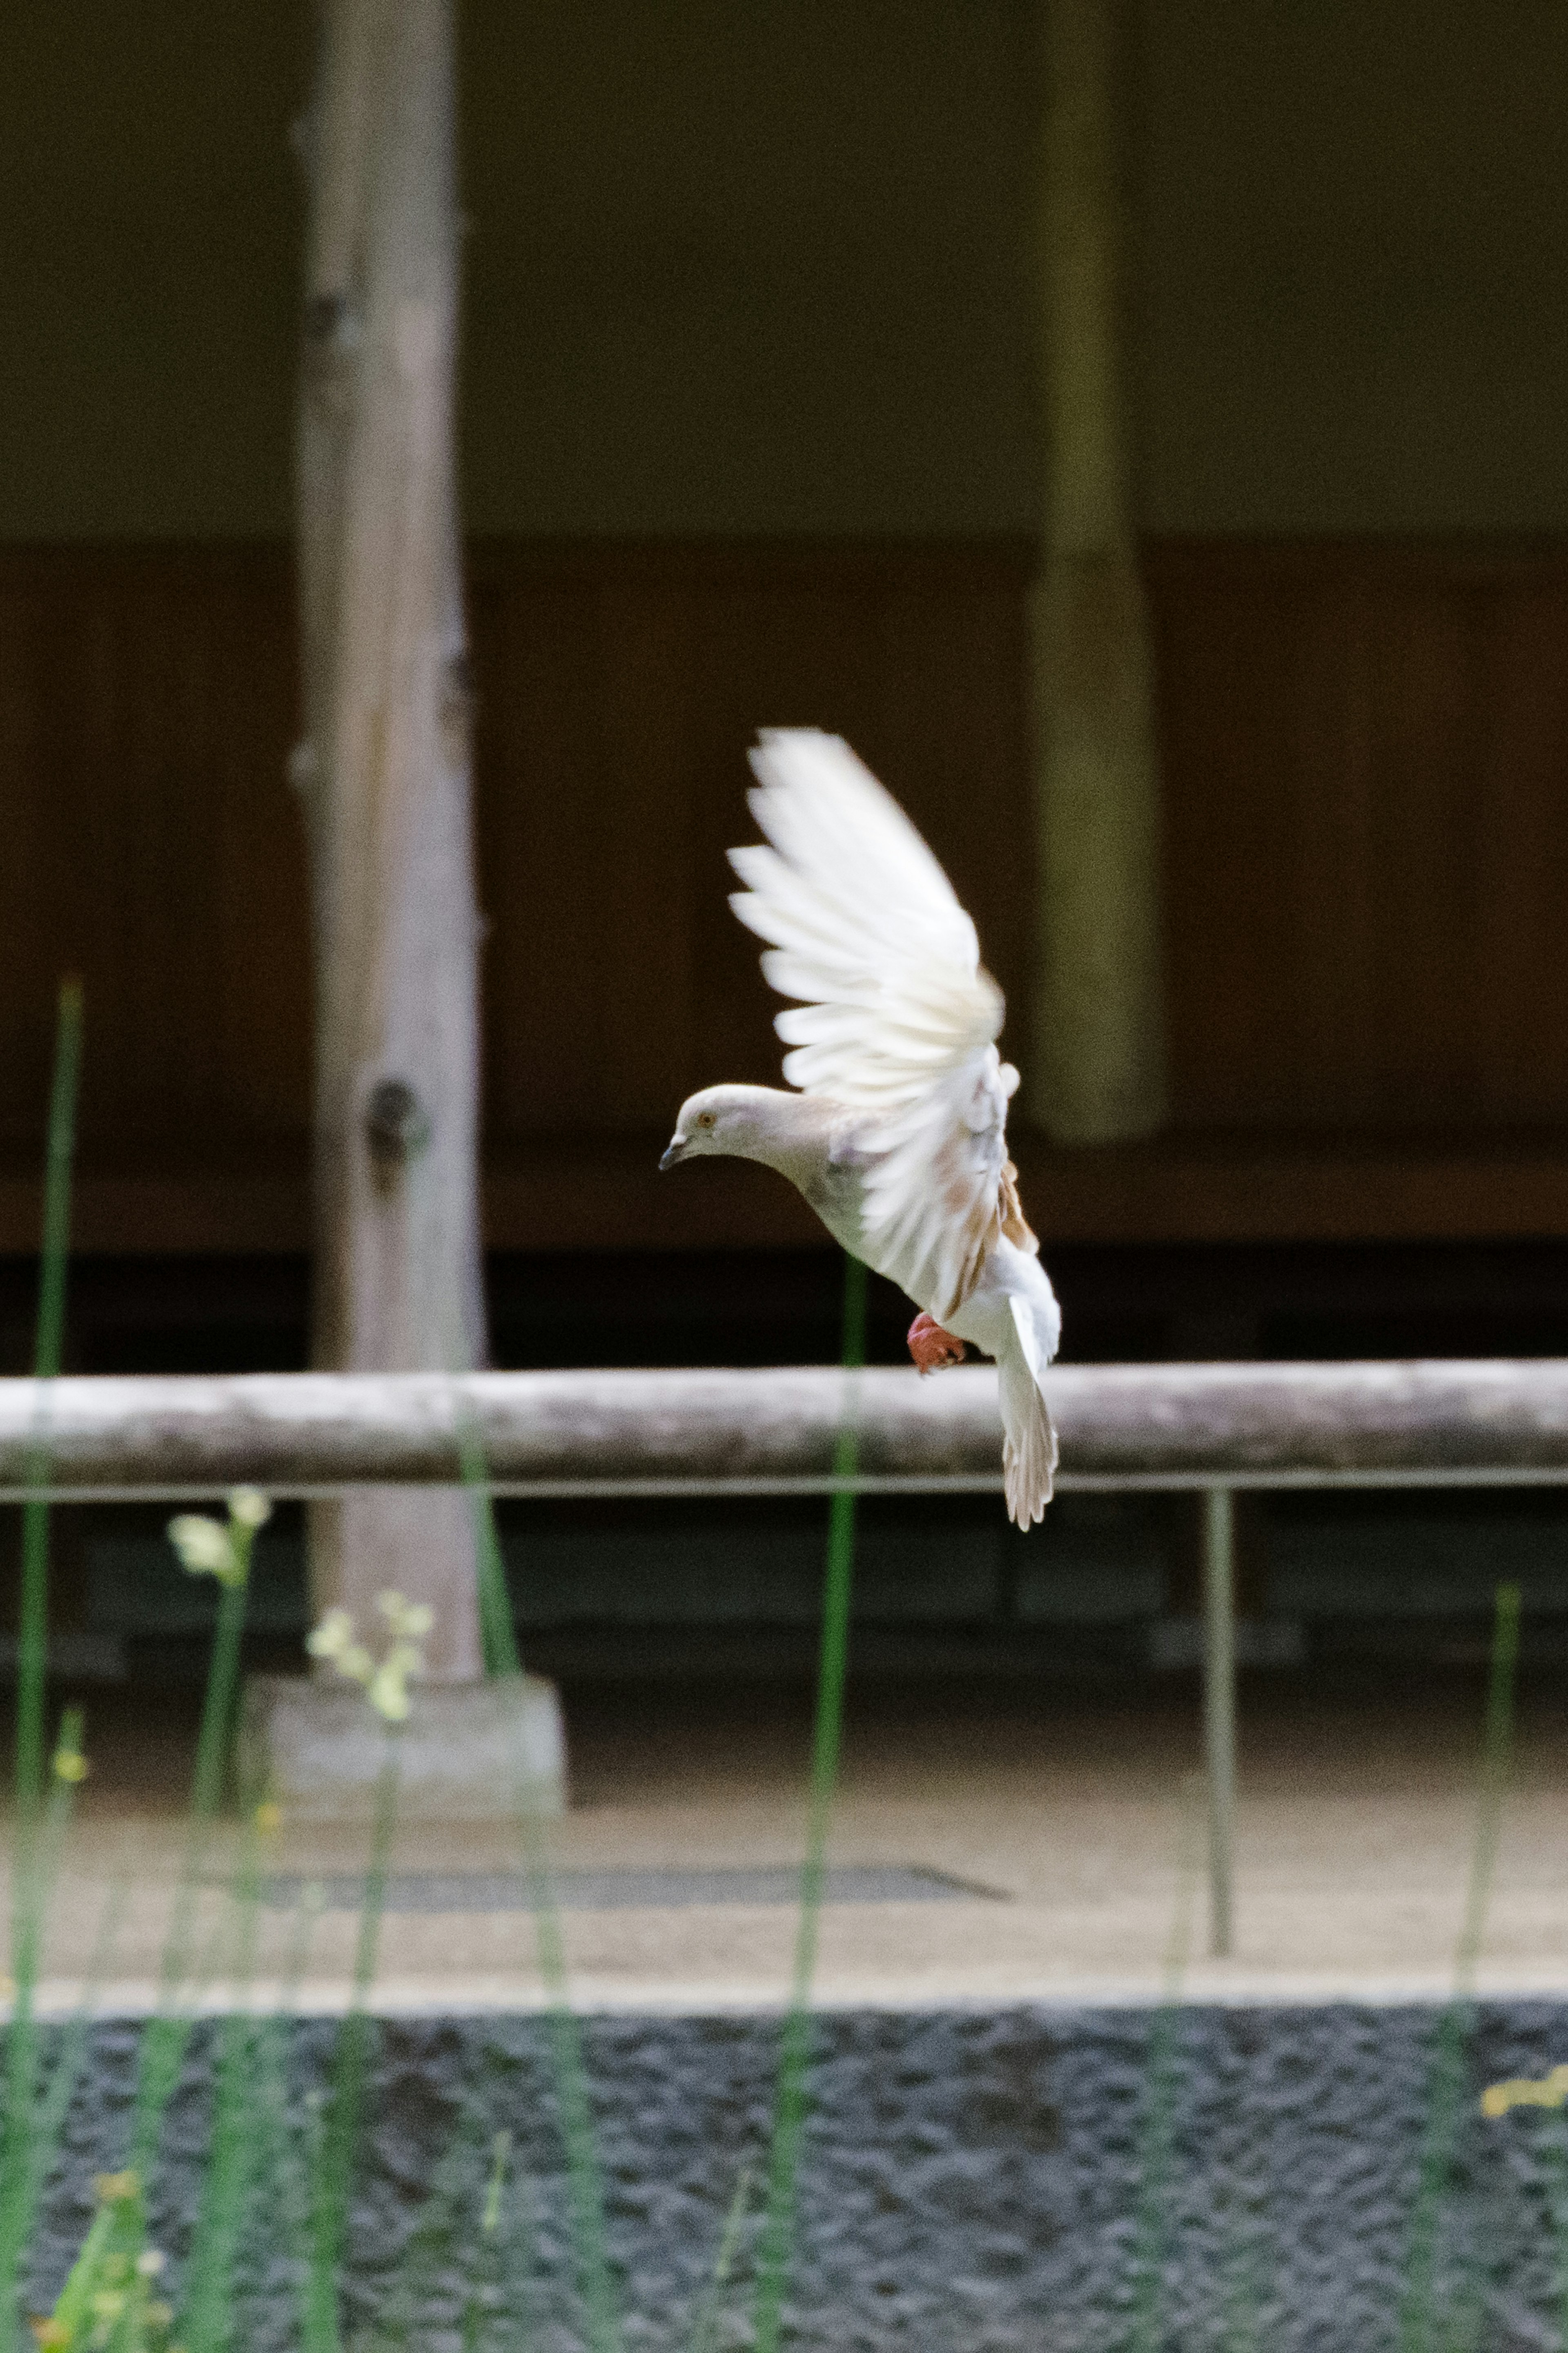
[977, 1218]
[983, 1225]
[1015, 1225]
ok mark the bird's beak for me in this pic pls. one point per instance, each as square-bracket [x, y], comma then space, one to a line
[676, 1152]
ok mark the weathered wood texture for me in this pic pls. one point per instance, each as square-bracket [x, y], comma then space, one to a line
[383, 770]
[1174, 1425]
[1365, 750]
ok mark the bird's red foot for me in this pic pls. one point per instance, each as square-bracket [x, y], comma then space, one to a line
[932, 1347]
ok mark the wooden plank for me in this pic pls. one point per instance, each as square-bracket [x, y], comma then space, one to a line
[1519, 1006]
[1364, 747]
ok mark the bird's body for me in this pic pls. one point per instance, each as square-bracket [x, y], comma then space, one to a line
[897, 1137]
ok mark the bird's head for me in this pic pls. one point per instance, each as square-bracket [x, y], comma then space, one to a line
[723, 1119]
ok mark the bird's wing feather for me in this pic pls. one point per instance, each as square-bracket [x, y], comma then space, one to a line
[899, 1016]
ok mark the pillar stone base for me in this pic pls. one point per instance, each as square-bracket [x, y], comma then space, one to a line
[467, 1752]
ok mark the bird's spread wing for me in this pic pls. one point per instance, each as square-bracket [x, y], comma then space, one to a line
[898, 1015]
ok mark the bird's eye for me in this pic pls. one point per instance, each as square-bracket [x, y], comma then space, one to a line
[704, 1119]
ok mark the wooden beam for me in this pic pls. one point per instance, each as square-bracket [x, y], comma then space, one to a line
[774, 1430]
[385, 774]
[1095, 1067]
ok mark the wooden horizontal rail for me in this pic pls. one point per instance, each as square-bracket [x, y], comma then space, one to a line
[773, 1432]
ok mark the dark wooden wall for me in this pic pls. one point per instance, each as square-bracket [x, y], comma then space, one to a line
[1366, 756]
[147, 704]
[617, 694]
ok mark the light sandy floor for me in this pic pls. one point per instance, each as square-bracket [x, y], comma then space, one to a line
[1356, 1839]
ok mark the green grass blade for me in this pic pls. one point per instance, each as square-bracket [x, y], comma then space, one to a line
[72, 2055]
[279, 2154]
[32, 1642]
[233, 2148]
[1418, 2318]
[497, 2310]
[473, 2162]
[704, 2330]
[27, 1872]
[332, 2173]
[485, 2268]
[167, 2034]
[26, 2125]
[795, 2055]
[232, 2152]
[498, 1631]
[584, 2175]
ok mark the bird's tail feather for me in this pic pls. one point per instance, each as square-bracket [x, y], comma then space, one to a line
[1028, 1439]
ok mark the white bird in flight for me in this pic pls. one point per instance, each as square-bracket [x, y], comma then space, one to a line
[896, 1136]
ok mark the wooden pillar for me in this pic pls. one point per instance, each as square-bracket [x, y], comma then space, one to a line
[383, 775]
[1096, 1070]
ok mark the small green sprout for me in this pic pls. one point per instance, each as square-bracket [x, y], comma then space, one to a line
[383, 1682]
[217, 1548]
[70, 1765]
[107, 2305]
[500, 2148]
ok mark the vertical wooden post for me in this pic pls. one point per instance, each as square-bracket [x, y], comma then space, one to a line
[383, 775]
[1219, 1710]
[1097, 1063]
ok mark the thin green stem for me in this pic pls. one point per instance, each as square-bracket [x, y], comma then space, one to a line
[167, 2034]
[28, 1876]
[232, 2151]
[497, 1632]
[795, 2055]
[66, 2071]
[705, 2327]
[274, 2115]
[497, 2313]
[338, 2145]
[1446, 2078]
[30, 2121]
[432, 2243]
[490, 2230]
[584, 2178]
[32, 1643]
